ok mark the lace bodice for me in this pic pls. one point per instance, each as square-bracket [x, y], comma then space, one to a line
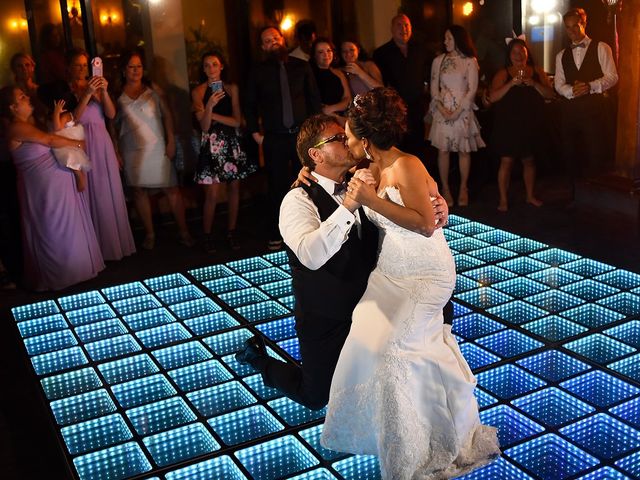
[407, 254]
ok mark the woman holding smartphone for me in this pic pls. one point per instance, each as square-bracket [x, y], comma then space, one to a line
[216, 106]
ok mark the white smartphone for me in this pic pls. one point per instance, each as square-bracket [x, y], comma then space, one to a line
[96, 67]
[215, 86]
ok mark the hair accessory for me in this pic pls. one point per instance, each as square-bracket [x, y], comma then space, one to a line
[522, 37]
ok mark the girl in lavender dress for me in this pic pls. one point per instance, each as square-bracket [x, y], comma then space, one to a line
[59, 241]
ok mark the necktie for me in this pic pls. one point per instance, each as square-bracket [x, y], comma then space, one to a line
[287, 108]
[578, 45]
[339, 188]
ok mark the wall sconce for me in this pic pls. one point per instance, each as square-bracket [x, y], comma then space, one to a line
[109, 19]
[467, 9]
[16, 24]
[287, 23]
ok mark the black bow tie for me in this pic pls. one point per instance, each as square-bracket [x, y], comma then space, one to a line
[339, 188]
[578, 45]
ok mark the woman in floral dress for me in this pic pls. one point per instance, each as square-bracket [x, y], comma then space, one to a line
[216, 105]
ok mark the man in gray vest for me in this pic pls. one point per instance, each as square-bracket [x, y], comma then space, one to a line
[585, 72]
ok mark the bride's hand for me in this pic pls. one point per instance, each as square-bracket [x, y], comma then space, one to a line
[366, 176]
[361, 192]
[304, 176]
[441, 210]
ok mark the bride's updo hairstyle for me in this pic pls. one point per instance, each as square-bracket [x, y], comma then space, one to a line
[380, 116]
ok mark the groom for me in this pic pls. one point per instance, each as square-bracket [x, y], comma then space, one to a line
[332, 249]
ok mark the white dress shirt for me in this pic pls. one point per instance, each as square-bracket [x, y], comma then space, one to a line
[314, 242]
[599, 85]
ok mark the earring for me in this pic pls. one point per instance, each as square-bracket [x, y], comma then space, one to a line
[366, 153]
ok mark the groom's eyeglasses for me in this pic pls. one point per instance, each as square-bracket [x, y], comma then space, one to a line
[338, 137]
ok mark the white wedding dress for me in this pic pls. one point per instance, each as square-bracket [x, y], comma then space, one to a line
[401, 389]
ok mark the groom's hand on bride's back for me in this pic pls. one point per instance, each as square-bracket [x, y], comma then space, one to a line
[441, 210]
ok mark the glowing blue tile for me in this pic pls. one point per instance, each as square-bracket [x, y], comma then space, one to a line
[148, 319]
[315, 474]
[554, 328]
[126, 290]
[359, 467]
[121, 461]
[589, 290]
[622, 279]
[293, 413]
[127, 368]
[629, 412]
[50, 342]
[159, 416]
[484, 399]
[278, 330]
[553, 365]
[249, 265]
[459, 309]
[555, 277]
[88, 315]
[221, 398]
[58, 361]
[180, 294]
[82, 407]
[509, 343]
[81, 300]
[257, 386]
[517, 312]
[143, 390]
[70, 383]
[500, 469]
[477, 357]
[216, 468]
[465, 262]
[550, 457]
[200, 375]
[246, 296]
[268, 275]
[226, 284]
[277, 458]
[100, 330]
[244, 425]
[512, 426]
[450, 235]
[520, 287]
[278, 289]
[180, 444]
[466, 244]
[592, 315]
[523, 265]
[289, 301]
[587, 267]
[484, 297]
[471, 228]
[211, 323]
[555, 256]
[312, 437]
[625, 303]
[599, 348]
[277, 258]
[136, 304]
[455, 220]
[553, 407]
[212, 272]
[630, 464]
[34, 310]
[263, 311]
[489, 275]
[112, 347]
[93, 434]
[195, 308]
[492, 254]
[464, 283]
[603, 436]
[39, 326]
[497, 237]
[554, 301]
[228, 342]
[475, 325]
[508, 381]
[628, 332]
[292, 347]
[605, 473]
[524, 246]
[629, 367]
[600, 388]
[181, 355]
[166, 281]
[163, 335]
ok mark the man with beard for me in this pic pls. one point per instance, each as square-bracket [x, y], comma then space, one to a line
[282, 92]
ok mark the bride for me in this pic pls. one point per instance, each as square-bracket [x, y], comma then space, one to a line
[401, 389]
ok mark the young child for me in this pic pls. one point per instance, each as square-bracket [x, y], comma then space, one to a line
[74, 158]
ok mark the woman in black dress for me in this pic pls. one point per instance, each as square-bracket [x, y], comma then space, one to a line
[518, 91]
[332, 83]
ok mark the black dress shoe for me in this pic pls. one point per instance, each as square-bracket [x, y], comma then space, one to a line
[254, 353]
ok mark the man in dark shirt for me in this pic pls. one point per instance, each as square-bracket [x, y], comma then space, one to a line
[405, 66]
[281, 116]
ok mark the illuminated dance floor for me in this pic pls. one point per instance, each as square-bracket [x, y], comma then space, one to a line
[141, 381]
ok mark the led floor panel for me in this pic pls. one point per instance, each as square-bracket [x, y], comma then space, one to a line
[142, 382]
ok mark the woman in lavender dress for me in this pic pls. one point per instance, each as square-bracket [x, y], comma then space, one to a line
[59, 241]
[90, 102]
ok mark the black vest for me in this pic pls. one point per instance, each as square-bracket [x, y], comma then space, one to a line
[333, 290]
[590, 68]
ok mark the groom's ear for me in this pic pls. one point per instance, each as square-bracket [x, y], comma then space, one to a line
[315, 155]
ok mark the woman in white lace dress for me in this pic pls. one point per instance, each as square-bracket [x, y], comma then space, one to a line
[454, 81]
[401, 389]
